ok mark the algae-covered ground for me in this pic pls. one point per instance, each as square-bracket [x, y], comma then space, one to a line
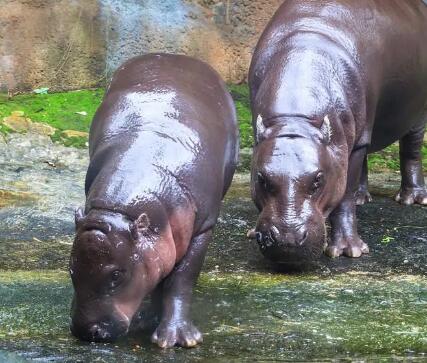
[244, 317]
[343, 310]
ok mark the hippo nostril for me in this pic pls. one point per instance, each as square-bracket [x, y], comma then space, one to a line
[98, 333]
[258, 236]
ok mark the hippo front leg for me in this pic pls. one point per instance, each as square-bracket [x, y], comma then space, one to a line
[362, 194]
[413, 189]
[345, 239]
[176, 327]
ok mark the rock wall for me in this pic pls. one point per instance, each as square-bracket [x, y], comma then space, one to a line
[70, 44]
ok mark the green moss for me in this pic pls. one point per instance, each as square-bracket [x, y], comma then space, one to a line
[34, 276]
[249, 281]
[4, 130]
[35, 254]
[240, 94]
[56, 109]
[33, 304]
[388, 159]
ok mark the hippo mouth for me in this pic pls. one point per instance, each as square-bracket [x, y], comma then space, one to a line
[291, 255]
[102, 332]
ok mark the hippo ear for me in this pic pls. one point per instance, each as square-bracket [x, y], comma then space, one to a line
[140, 226]
[79, 216]
[260, 129]
[326, 130]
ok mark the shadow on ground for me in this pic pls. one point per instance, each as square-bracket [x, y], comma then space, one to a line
[373, 308]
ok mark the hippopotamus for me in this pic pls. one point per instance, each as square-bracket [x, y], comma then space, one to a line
[331, 81]
[163, 148]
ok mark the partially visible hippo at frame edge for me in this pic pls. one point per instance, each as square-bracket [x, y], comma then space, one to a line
[163, 150]
[330, 82]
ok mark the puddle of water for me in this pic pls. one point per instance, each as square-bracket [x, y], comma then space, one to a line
[244, 316]
[10, 357]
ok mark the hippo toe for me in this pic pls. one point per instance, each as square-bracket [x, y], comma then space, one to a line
[347, 247]
[181, 333]
[409, 196]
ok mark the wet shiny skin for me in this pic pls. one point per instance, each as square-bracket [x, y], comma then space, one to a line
[163, 149]
[331, 81]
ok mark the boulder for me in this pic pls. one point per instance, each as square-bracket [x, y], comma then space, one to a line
[17, 122]
[42, 129]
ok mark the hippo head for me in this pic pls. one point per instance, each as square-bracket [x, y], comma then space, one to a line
[297, 179]
[115, 263]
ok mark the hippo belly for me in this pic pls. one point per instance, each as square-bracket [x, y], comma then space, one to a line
[399, 109]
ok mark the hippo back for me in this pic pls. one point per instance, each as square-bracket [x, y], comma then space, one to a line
[370, 55]
[167, 127]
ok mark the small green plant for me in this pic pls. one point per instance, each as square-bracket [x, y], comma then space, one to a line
[387, 239]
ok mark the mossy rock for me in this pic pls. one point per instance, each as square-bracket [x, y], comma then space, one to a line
[42, 129]
[17, 123]
[69, 134]
[72, 138]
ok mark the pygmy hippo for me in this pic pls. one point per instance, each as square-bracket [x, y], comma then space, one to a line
[330, 81]
[163, 149]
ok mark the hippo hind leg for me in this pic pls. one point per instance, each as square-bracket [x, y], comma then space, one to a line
[362, 195]
[413, 189]
[176, 327]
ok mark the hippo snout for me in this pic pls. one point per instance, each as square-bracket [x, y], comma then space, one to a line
[274, 237]
[289, 245]
[98, 332]
[294, 237]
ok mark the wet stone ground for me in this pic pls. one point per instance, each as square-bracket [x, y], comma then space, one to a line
[373, 308]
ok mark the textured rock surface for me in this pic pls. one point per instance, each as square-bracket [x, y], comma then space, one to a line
[65, 44]
[17, 122]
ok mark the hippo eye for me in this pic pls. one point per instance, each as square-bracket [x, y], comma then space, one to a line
[116, 278]
[317, 183]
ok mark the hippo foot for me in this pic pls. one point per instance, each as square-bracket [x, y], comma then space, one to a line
[363, 196]
[348, 247]
[409, 196]
[181, 333]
